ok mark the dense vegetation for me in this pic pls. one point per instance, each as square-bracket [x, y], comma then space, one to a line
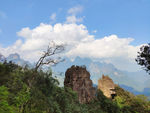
[143, 57]
[24, 90]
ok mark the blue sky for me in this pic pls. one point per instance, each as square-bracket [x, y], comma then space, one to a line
[125, 18]
[112, 30]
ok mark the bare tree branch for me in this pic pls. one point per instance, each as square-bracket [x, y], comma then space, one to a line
[48, 56]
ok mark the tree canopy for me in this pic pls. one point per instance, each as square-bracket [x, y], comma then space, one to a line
[143, 57]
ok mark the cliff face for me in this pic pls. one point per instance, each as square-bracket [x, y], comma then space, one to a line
[78, 78]
[107, 86]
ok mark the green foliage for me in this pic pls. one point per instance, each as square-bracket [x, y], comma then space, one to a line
[120, 101]
[143, 57]
[130, 103]
[24, 90]
[106, 104]
[22, 98]
[4, 106]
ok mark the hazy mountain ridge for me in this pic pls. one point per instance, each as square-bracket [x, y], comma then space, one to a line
[15, 58]
[139, 81]
[2, 58]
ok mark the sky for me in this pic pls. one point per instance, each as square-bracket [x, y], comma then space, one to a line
[106, 30]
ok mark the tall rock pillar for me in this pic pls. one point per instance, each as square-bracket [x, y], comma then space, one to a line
[107, 86]
[78, 78]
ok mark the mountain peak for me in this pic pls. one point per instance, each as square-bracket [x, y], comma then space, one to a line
[14, 56]
[2, 58]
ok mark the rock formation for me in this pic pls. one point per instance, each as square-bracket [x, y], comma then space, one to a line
[78, 78]
[107, 86]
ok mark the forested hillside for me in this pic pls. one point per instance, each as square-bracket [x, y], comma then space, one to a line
[24, 90]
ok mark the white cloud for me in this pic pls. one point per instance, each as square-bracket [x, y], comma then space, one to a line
[94, 31]
[11, 49]
[110, 49]
[79, 42]
[37, 39]
[74, 19]
[53, 17]
[75, 10]
[107, 47]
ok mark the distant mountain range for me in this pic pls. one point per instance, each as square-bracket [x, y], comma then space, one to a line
[135, 82]
[145, 92]
[2, 58]
[15, 58]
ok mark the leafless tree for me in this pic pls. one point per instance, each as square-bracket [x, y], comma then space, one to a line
[48, 56]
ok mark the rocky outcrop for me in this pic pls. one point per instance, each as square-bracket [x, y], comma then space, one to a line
[107, 86]
[78, 78]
